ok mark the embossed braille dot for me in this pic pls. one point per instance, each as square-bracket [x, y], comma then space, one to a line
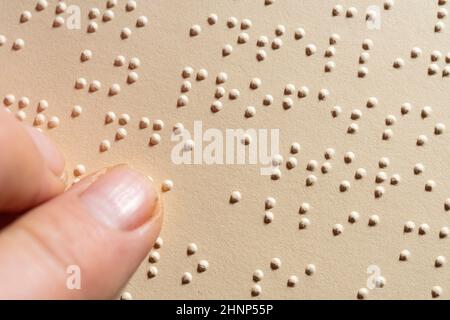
[435, 56]
[92, 27]
[330, 52]
[269, 203]
[404, 255]
[387, 134]
[2, 40]
[94, 13]
[275, 263]
[155, 139]
[446, 71]
[126, 296]
[353, 217]
[351, 12]
[110, 117]
[424, 229]
[186, 86]
[121, 133]
[334, 39]
[81, 83]
[130, 6]
[430, 185]
[374, 220]
[381, 177]
[24, 102]
[312, 165]
[303, 92]
[416, 52]
[268, 217]
[276, 174]
[310, 269]
[398, 63]
[258, 275]
[233, 94]
[304, 208]
[367, 44]
[187, 72]
[362, 294]
[426, 112]
[372, 102]
[337, 10]
[261, 55]
[53, 122]
[186, 278]
[18, 44]
[436, 292]
[291, 163]
[280, 30]
[292, 281]
[409, 227]
[379, 191]
[287, 103]
[134, 63]
[9, 100]
[330, 66]
[323, 94]
[79, 170]
[232, 22]
[191, 249]
[212, 19]
[442, 13]
[363, 72]
[21, 115]
[439, 261]
[202, 74]
[141, 22]
[310, 49]
[182, 101]
[124, 119]
[395, 179]
[195, 30]
[95, 86]
[152, 272]
[295, 148]
[154, 257]
[255, 83]
[108, 15]
[439, 26]
[132, 77]
[277, 43]
[256, 289]
[433, 69]
[41, 5]
[235, 197]
[353, 128]
[388, 4]
[360, 173]
[336, 111]
[76, 111]
[344, 186]
[39, 119]
[338, 229]
[111, 4]
[105, 145]
[444, 232]
[202, 266]
[167, 185]
[304, 223]
[25, 16]
[250, 112]
[219, 93]
[439, 128]
[246, 24]
[349, 157]
[299, 33]
[422, 140]
[262, 41]
[326, 167]
[125, 33]
[289, 89]
[114, 89]
[390, 120]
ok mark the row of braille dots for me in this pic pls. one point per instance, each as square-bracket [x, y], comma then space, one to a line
[435, 58]
[275, 264]
[115, 88]
[330, 52]
[121, 132]
[367, 45]
[21, 114]
[424, 228]
[108, 15]
[441, 14]
[352, 12]
[202, 265]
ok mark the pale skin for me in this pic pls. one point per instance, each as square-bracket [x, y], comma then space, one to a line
[105, 224]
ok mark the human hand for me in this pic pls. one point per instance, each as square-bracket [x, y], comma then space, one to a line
[104, 225]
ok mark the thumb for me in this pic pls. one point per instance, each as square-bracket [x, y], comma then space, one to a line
[101, 229]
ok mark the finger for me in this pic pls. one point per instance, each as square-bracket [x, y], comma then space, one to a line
[30, 166]
[104, 227]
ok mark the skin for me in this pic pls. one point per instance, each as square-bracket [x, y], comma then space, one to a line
[44, 230]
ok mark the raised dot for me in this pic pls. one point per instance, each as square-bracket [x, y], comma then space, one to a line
[353, 217]
[261, 55]
[114, 89]
[330, 66]
[246, 24]
[310, 49]
[387, 134]
[363, 72]
[18, 44]
[275, 263]
[186, 278]
[404, 255]
[212, 19]
[349, 157]
[439, 26]
[39, 119]
[409, 226]
[125, 33]
[124, 119]
[126, 296]
[418, 168]
[105, 145]
[25, 16]
[2, 40]
[195, 30]
[232, 22]
[299, 33]
[330, 52]
[268, 217]
[323, 94]
[444, 232]
[442, 13]
[334, 39]
[295, 148]
[304, 223]
[53, 122]
[381, 177]
[9, 100]
[388, 4]
[436, 292]
[292, 281]
[269, 203]
[351, 12]
[372, 102]
[191, 249]
[141, 22]
[202, 74]
[154, 257]
[256, 289]
[94, 13]
[416, 52]
[304, 208]
[303, 92]
[360, 173]
[108, 15]
[250, 112]
[398, 63]
[95, 86]
[262, 41]
[379, 192]
[433, 69]
[291, 163]
[424, 229]
[86, 55]
[362, 294]
[130, 6]
[76, 111]
[92, 27]
[439, 261]
[374, 220]
[79, 170]
[234, 94]
[21, 115]
[430, 185]
[422, 140]
[310, 269]
[338, 229]
[121, 133]
[258, 275]
[337, 10]
[155, 139]
[367, 44]
[202, 266]
[235, 197]
[158, 125]
[152, 272]
[395, 179]
[426, 112]
[439, 128]
[110, 117]
[310, 180]
[81, 83]
[24, 102]
[41, 5]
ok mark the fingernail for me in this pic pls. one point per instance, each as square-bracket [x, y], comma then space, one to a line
[121, 198]
[48, 150]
